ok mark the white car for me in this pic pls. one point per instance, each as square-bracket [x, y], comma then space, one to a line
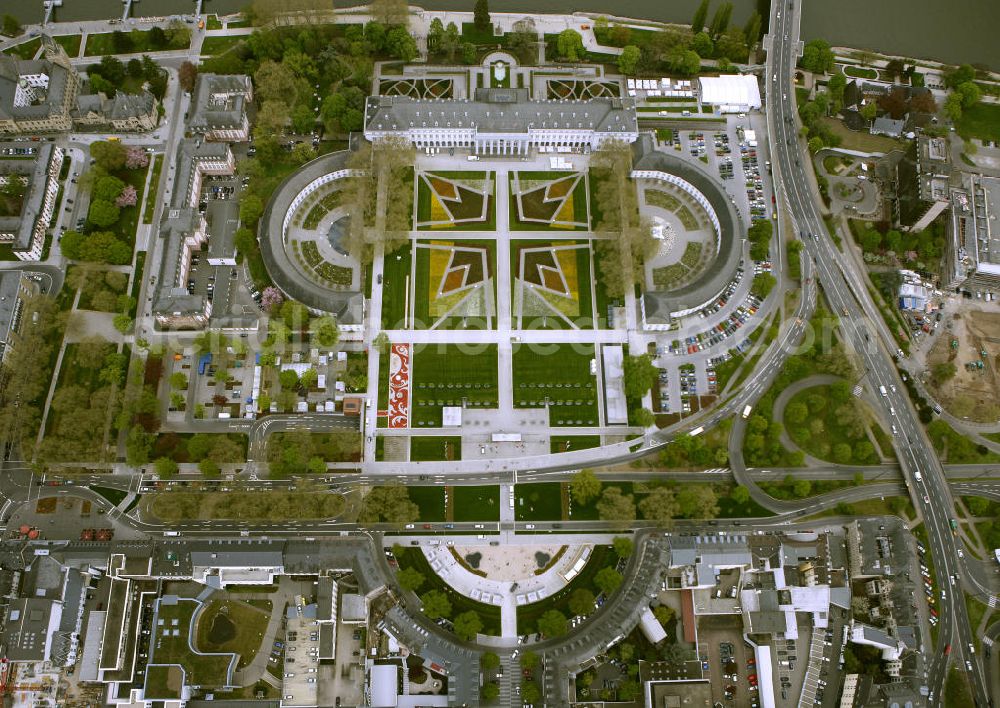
[529, 526]
[410, 526]
[961, 553]
[927, 500]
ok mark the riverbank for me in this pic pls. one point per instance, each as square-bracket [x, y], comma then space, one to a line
[961, 31]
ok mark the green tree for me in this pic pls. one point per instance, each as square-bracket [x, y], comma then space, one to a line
[288, 379]
[615, 506]
[660, 505]
[400, 44]
[700, 15]
[842, 453]
[410, 579]
[11, 27]
[326, 331]
[639, 375]
[436, 604]
[721, 18]
[959, 76]
[122, 322]
[698, 501]
[467, 625]
[817, 57]
[801, 488]
[251, 208]
[740, 495]
[763, 284]
[584, 486]
[390, 502]
[165, 468]
[628, 60]
[643, 417]
[178, 380]
[703, 44]
[103, 213]
[530, 692]
[581, 601]
[815, 144]
[481, 15]
[109, 156]
[490, 691]
[209, 469]
[529, 659]
[751, 30]
[607, 580]
[953, 106]
[623, 546]
[869, 111]
[309, 378]
[569, 45]
[552, 623]
[489, 660]
[970, 94]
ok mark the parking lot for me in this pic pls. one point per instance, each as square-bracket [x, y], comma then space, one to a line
[299, 685]
[726, 660]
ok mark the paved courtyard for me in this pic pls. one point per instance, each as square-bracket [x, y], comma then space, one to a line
[510, 574]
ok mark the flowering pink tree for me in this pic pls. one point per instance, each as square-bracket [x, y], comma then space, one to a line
[136, 157]
[128, 197]
[271, 299]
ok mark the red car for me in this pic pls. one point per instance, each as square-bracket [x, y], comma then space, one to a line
[427, 526]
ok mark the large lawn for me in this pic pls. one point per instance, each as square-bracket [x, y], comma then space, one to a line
[447, 375]
[981, 121]
[475, 503]
[430, 500]
[395, 279]
[566, 443]
[218, 45]
[538, 502]
[435, 448]
[170, 644]
[229, 625]
[561, 374]
[136, 41]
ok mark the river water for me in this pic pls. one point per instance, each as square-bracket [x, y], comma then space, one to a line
[954, 31]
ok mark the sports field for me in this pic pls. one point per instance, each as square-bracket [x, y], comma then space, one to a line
[559, 373]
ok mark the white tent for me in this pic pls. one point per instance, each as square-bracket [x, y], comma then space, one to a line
[733, 93]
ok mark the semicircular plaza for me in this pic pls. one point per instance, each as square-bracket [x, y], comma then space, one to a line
[300, 241]
[657, 168]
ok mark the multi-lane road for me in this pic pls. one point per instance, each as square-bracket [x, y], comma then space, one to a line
[845, 290]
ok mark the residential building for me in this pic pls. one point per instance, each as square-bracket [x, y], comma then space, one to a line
[184, 231]
[219, 107]
[25, 232]
[125, 113]
[37, 96]
[15, 287]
